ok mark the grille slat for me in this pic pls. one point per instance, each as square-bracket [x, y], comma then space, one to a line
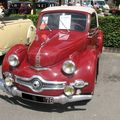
[46, 85]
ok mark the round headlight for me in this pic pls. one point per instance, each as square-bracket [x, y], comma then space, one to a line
[68, 67]
[69, 90]
[13, 60]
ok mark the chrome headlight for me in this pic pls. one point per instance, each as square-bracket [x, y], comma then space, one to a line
[69, 90]
[69, 67]
[13, 60]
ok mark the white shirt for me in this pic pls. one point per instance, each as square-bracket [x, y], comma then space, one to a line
[1, 12]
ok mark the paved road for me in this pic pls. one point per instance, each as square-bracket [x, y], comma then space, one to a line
[105, 104]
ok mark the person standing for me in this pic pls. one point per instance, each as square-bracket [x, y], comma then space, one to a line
[1, 10]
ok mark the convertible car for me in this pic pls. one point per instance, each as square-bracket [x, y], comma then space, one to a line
[61, 65]
[14, 31]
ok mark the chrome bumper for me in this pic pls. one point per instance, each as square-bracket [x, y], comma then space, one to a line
[62, 99]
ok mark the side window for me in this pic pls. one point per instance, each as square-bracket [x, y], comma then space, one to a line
[93, 23]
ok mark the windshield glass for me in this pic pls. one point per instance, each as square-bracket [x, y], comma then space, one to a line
[68, 21]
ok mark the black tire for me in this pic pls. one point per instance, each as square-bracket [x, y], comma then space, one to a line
[97, 70]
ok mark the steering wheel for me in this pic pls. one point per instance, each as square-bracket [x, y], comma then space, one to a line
[77, 26]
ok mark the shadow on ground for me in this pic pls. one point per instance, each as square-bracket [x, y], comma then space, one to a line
[77, 106]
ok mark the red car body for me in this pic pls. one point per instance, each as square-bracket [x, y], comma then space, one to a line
[61, 65]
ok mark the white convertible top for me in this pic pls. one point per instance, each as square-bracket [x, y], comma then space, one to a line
[75, 8]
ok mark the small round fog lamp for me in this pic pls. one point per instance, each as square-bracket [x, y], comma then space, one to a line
[69, 90]
[9, 81]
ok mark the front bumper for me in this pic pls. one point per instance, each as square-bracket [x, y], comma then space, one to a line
[62, 99]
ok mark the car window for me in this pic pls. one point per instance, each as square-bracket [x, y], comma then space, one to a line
[71, 21]
[93, 23]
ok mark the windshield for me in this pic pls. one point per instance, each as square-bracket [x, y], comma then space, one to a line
[68, 21]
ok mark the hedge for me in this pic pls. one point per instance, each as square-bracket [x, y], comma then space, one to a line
[111, 29]
[110, 25]
[34, 18]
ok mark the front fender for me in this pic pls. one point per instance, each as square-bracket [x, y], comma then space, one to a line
[20, 50]
[87, 68]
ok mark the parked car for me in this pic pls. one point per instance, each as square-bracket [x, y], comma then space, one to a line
[14, 31]
[44, 4]
[61, 64]
[19, 7]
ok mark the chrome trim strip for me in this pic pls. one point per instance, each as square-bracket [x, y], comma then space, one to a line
[40, 68]
[39, 77]
[79, 83]
[46, 85]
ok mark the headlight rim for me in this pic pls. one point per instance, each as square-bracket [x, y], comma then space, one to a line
[70, 87]
[16, 57]
[71, 62]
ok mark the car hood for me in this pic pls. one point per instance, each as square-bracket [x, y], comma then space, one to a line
[48, 48]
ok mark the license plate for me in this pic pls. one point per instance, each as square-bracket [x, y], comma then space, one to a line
[40, 99]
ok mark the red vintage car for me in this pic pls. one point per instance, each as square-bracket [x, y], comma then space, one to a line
[61, 64]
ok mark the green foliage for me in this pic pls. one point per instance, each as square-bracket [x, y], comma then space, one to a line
[34, 18]
[111, 29]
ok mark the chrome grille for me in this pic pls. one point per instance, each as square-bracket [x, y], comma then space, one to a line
[44, 84]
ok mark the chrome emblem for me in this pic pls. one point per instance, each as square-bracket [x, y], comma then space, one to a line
[37, 85]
